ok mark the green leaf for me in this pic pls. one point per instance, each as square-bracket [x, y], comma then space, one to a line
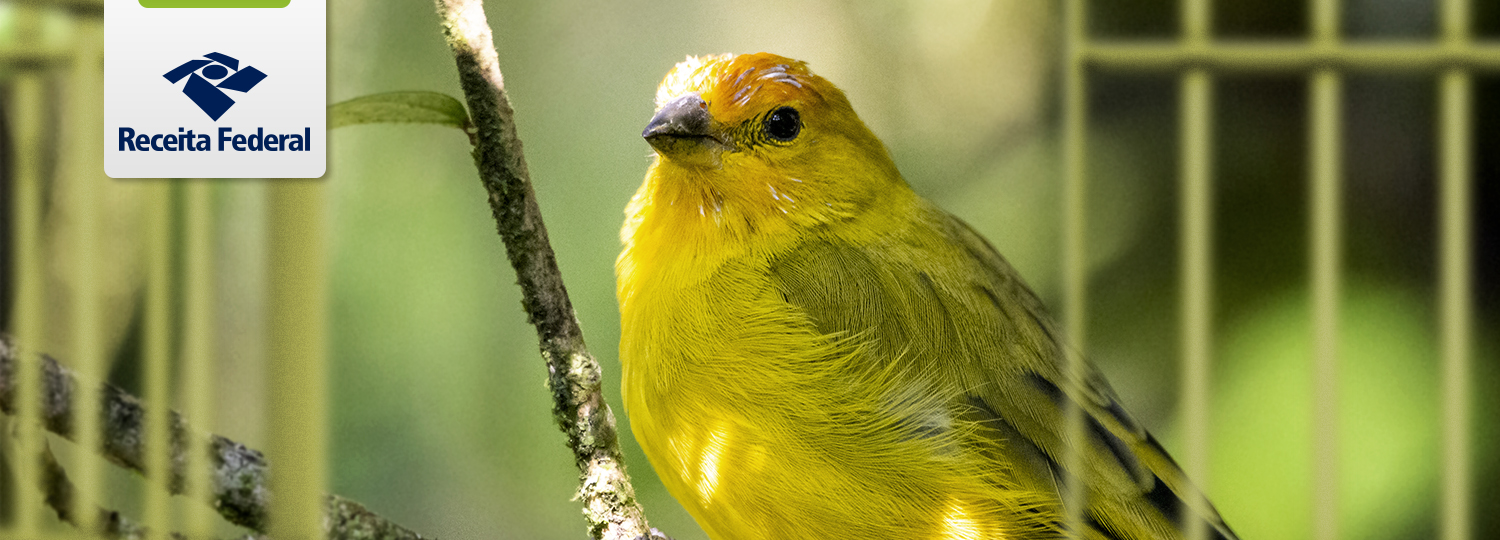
[400, 108]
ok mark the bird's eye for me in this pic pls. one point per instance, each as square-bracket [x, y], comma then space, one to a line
[783, 124]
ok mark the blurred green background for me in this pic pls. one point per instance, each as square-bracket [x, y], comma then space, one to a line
[439, 417]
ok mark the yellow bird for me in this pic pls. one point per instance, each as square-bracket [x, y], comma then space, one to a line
[813, 351]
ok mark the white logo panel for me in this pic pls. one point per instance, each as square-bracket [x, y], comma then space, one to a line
[215, 92]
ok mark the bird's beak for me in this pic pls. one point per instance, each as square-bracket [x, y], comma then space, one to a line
[683, 131]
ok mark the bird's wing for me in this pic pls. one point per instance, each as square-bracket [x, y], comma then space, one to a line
[936, 295]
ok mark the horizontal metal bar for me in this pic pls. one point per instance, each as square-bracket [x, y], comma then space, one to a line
[97, 5]
[90, 8]
[1291, 56]
[35, 57]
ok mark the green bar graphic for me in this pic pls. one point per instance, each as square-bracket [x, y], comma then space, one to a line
[215, 3]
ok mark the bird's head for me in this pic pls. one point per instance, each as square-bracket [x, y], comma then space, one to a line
[756, 142]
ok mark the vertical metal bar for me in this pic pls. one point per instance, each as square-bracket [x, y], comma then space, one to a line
[1455, 21]
[1196, 251]
[298, 353]
[156, 351]
[27, 107]
[1454, 280]
[241, 300]
[1075, 132]
[1325, 22]
[79, 175]
[1196, 260]
[1455, 287]
[1326, 233]
[1197, 22]
[1075, 253]
[198, 346]
[1326, 242]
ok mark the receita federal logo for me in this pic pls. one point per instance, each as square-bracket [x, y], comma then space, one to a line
[210, 97]
[194, 91]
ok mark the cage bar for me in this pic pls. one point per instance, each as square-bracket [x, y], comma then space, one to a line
[1325, 132]
[297, 318]
[1455, 288]
[198, 346]
[1075, 133]
[27, 315]
[1455, 21]
[27, 106]
[1326, 243]
[1075, 253]
[1291, 56]
[1196, 267]
[1325, 23]
[1195, 249]
[156, 351]
[82, 161]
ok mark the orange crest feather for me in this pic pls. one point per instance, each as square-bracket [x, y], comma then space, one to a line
[738, 87]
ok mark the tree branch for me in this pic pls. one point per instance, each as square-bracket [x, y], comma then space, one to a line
[579, 408]
[59, 495]
[239, 473]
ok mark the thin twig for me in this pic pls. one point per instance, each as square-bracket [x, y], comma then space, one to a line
[239, 473]
[579, 408]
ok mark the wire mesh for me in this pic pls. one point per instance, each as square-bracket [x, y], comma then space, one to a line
[54, 118]
[1325, 58]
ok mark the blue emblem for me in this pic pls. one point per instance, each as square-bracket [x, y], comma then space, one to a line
[210, 96]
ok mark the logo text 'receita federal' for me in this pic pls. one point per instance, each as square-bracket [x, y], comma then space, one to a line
[185, 140]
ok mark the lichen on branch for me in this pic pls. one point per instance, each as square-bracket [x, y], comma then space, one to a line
[609, 500]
